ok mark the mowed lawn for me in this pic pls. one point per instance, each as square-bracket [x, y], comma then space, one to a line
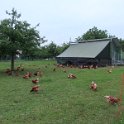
[60, 100]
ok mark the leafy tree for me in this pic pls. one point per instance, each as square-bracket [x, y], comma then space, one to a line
[93, 33]
[52, 50]
[62, 48]
[17, 35]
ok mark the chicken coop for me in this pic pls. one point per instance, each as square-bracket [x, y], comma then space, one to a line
[101, 52]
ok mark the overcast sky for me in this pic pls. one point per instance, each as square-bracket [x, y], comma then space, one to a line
[61, 20]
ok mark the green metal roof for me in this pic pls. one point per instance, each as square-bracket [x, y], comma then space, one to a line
[85, 49]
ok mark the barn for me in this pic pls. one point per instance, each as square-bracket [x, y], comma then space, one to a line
[101, 52]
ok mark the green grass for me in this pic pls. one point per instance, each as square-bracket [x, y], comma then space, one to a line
[60, 100]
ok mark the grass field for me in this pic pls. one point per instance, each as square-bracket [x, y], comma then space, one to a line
[60, 100]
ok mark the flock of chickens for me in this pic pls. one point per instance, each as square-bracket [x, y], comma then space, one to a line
[35, 88]
[93, 86]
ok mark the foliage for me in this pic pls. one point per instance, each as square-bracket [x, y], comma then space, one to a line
[17, 35]
[60, 100]
[52, 50]
[63, 47]
[48, 51]
[93, 33]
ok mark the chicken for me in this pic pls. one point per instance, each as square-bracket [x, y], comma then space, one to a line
[72, 76]
[35, 81]
[27, 75]
[8, 70]
[81, 66]
[35, 88]
[95, 66]
[61, 65]
[112, 100]
[110, 71]
[18, 68]
[93, 86]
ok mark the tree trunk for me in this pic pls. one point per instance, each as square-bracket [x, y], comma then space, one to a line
[12, 63]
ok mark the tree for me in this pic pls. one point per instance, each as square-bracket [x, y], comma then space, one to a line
[52, 50]
[62, 48]
[93, 33]
[17, 35]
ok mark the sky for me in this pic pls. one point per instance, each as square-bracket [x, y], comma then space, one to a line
[64, 20]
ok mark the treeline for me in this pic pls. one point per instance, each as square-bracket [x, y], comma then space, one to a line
[49, 51]
[45, 52]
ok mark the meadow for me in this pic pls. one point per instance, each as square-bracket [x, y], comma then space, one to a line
[60, 100]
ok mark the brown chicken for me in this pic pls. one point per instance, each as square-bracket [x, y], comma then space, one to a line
[112, 100]
[35, 88]
[35, 81]
[72, 76]
[93, 86]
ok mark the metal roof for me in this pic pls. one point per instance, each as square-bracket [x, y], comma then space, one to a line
[85, 49]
